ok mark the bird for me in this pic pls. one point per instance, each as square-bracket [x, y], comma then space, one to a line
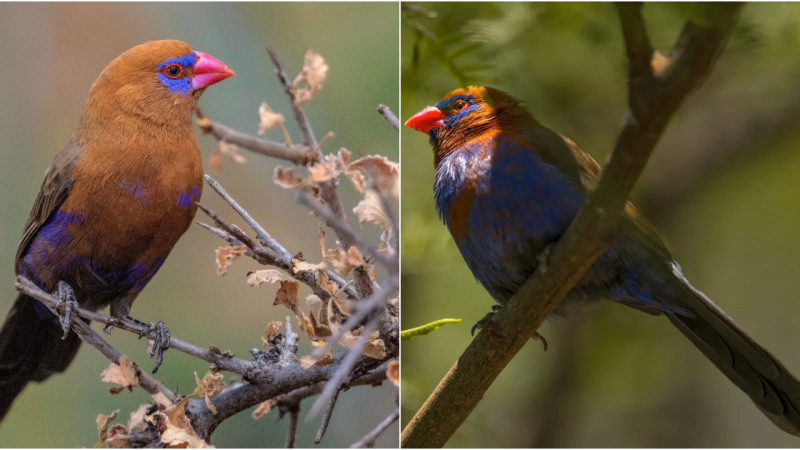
[113, 204]
[508, 187]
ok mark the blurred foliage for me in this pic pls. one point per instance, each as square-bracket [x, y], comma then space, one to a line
[52, 53]
[720, 188]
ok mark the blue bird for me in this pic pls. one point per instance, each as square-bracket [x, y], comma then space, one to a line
[507, 187]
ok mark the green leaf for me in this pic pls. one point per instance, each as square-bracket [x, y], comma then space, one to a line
[407, 335]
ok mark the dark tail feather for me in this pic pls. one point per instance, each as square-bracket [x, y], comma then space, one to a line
[31, 349]
[747, 364]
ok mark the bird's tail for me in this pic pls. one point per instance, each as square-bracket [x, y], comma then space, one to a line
[31, 349]
[747, 364]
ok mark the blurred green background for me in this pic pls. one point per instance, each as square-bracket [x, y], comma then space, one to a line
[721, 188]
[51, 54]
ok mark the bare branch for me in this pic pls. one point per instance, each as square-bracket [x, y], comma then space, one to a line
[222, 362]
[588, 236]
[299, 114]
[297, 154]
[261, 233]
[389, 116]
[291, 432]
[85, 332]
[326, 417]
[369, 439]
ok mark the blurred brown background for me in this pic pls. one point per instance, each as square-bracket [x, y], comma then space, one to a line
[51, 53]
[721, 188]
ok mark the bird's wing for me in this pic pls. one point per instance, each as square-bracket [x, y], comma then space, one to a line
[56, 187]
[581, 168]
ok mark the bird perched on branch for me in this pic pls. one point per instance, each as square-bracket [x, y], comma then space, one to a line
[113, 204]
[507, 187]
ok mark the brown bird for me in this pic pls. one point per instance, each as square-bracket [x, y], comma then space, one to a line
[113, 203]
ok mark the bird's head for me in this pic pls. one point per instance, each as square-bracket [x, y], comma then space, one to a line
[467, 114]
[159, 81]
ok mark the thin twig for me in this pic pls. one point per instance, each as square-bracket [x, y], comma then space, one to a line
[344, 369]
[369, 439]
[342, 228]
[261, 233]
[223, 362]
[297, 154]
[389, 116]
[326, 417]
[299, 115]
[291, 432]
[85, 332]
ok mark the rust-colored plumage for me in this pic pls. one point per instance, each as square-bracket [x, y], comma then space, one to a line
[113, 203]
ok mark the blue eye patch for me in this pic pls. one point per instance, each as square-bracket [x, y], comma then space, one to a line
[182, 85]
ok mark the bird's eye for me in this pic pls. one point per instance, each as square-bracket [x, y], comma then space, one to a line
[172, 70]
[459, 106]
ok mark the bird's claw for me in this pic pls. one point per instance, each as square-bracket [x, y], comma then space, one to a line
[159, 344]
[539, 337]
[67, 297]
[481, 324]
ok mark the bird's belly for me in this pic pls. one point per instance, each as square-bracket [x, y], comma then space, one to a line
[109, 241]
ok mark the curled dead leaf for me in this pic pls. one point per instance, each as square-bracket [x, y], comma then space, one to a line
[271, 332]
[257, 278]
[225, 148]
[124, 374]
[308, 361]
[262, 409]
[393, 372]
[384, 172]
[287, 294]
[210, 385]
[287, 178]
[226, 255]
[314, 73]
[268, 118]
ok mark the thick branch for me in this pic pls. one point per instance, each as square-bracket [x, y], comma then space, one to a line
[587, 237]
[288, 380]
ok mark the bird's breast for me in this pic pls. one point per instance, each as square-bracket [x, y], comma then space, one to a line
[503, 205]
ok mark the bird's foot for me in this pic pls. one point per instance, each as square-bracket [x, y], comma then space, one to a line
[539, 337]
[483, 323]
[67, 297]
[159, 345]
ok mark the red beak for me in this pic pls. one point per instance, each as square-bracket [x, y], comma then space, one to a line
[426, 120]
[208, 70]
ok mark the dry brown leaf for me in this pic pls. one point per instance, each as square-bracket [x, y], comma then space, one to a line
[314, 73]
[269, 118]
[286, 177]
[210, 385]
[319, 318]
[102, 425]
[303, 266]
[271, 332]
[123, 374]
[308, 361]
[178, 432]
[325, 283]
[386, 173]
[137, 420]
[262, 409]
[375, 348]
[287, 294]
[357, 178]
[116, 437]
[393, 372]
[162, 400]
[343, 156]
[257, 278]
[322, 171]
[370, 209]
[226, 256]
[225, 148]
